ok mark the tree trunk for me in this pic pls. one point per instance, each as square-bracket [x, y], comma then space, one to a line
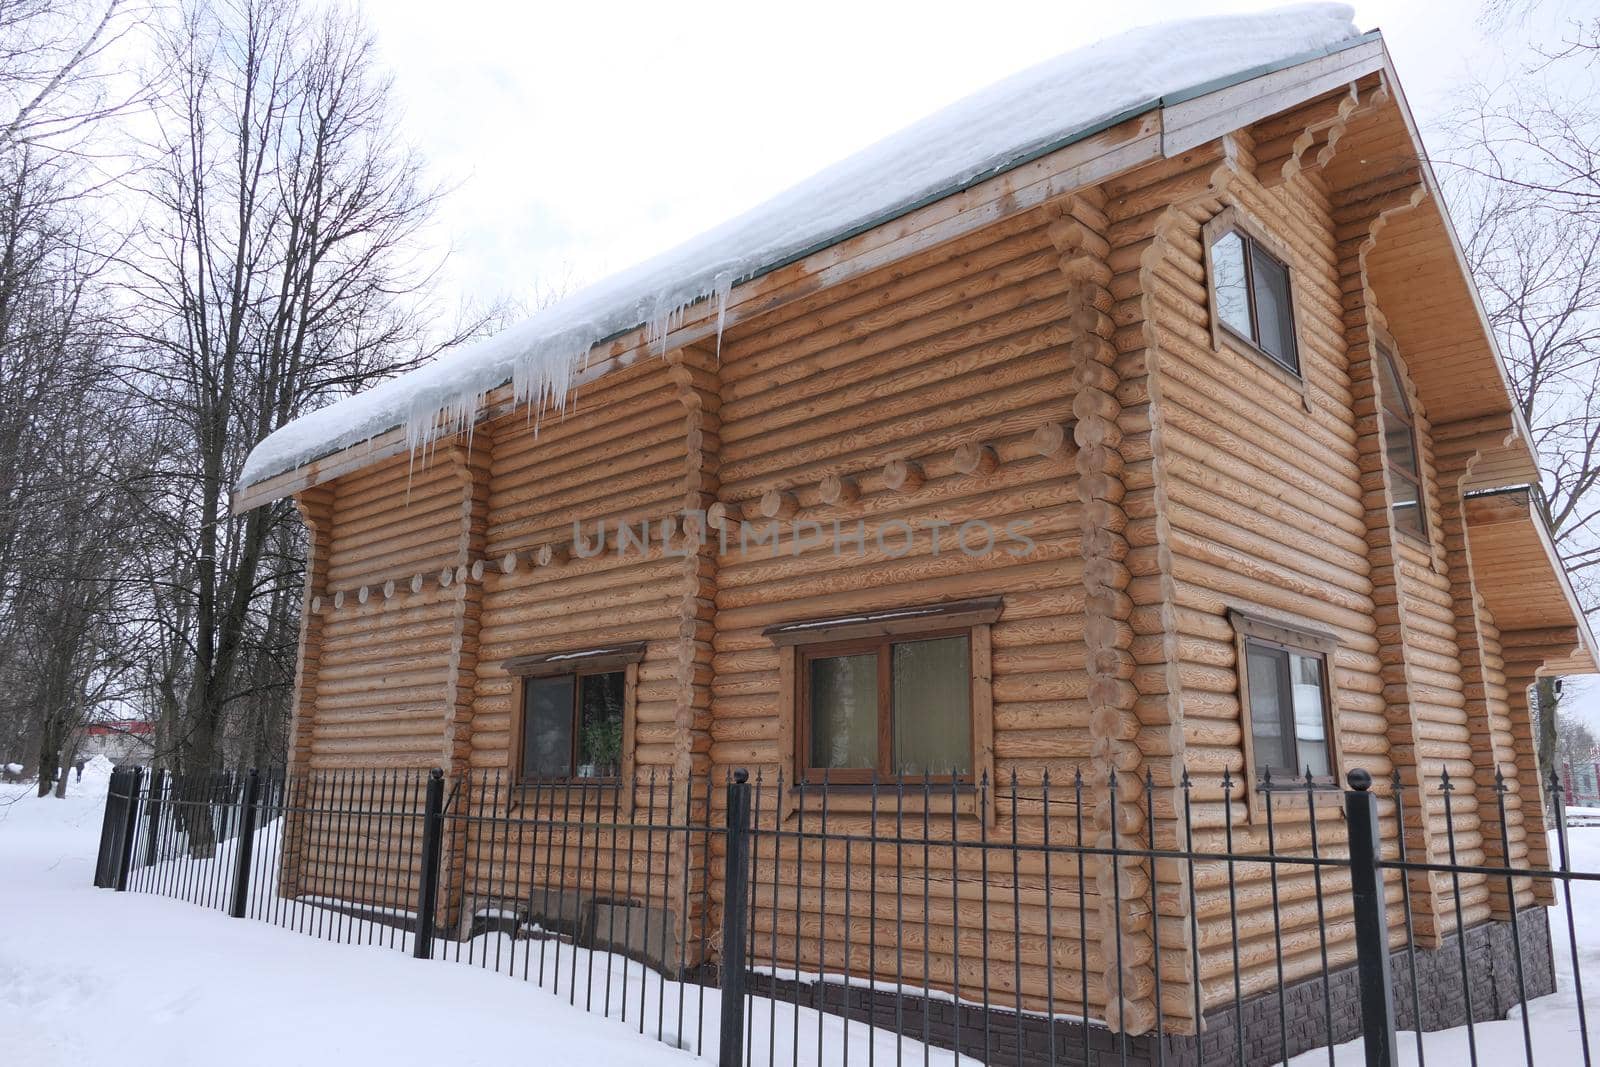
[1546, 700]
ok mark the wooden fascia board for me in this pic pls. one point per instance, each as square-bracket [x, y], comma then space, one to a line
[1195, 121]
[1564, 580]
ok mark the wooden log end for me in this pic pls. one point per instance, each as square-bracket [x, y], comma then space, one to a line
[1050, 439]
[974, 458]
[778, 504]
[838, 489]
[902, 474]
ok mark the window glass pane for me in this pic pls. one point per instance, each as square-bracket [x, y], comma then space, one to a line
[1228, 279]
[1394, 395]
[1272, 749]
[1274, 321]
[547, 727]
[1310, 722]
[933, 707]
[1398, 445]
[600, 725]
[844, 711]
[1407, 507]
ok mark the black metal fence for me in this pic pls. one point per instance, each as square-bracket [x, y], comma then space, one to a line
[1091, 921]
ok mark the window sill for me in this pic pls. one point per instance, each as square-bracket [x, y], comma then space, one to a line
[1297, 787]
[567, 783]
[1246, 347]
[1418, 543]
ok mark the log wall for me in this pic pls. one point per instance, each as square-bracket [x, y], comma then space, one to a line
[1055, 373]
[938, 392]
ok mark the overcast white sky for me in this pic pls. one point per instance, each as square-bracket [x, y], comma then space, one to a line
[587, 136]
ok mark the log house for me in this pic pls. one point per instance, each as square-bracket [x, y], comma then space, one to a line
[1211, 381]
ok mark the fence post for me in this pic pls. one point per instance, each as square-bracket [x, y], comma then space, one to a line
[244, 843]
[735, 919]
[1372, 932]
[102, 866]
[428, 891]
[152, 833]
[108, 830]
[130, 823]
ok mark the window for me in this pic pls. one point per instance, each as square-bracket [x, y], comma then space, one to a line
[572, 726]
[895, 707]
[574, 718]
[1400, 453]
[895, 692]
[1250, 292]
[1285, 692]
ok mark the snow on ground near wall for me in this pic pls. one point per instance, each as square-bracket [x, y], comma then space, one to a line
[87, 975]
[1009, 122]
[1553, 1020]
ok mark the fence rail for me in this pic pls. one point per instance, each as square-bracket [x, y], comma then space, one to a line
[754, 921]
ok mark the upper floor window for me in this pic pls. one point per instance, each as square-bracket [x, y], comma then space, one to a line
[1400, 453]
[1250, 292]
[573, 719]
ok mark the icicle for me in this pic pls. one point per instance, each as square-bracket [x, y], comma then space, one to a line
[724, 289]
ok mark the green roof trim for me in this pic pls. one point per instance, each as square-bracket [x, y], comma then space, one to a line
[1034, 154]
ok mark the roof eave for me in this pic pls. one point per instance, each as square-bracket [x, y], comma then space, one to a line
[1271, 86]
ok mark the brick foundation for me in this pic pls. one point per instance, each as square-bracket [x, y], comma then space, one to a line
[1491, 967]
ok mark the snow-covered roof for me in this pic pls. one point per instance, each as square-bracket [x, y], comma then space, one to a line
[1001, 127]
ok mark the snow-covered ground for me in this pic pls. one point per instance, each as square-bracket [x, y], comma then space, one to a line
[88, 975]
[1553, 1020]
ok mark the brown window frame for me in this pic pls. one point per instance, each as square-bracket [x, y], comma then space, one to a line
[1249, 628]
[1229, 221]
[884, 648]
[973, 617]
[1384, 349]
[615, 659]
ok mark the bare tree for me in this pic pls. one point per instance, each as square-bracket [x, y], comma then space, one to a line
[53, 81]
[276, 271]
[1522, 172]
